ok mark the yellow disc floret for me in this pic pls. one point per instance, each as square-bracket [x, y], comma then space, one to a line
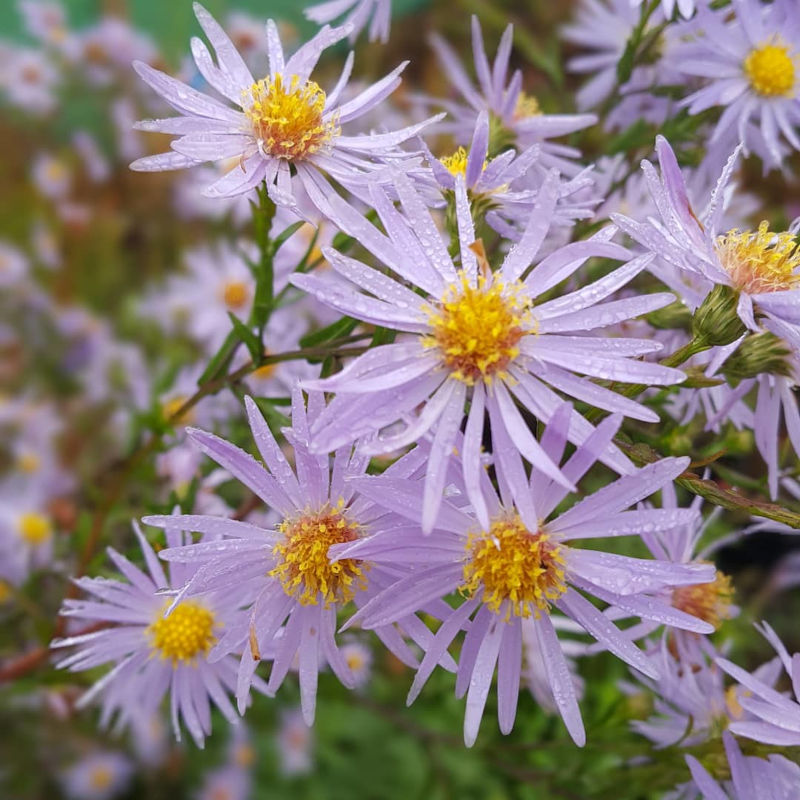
[527, 106]
[456, 164]
[303, 567]
[710, 602]
[28, 462]
[235, 295]
[477, 328]
[514, 569]
[771, 70]
[101, 778]
[760, 262]
[188, 632]
[287, 119]
[34, 528]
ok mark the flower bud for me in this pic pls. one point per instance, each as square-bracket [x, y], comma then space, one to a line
[717, 321]
[758, 353]
[675, 315]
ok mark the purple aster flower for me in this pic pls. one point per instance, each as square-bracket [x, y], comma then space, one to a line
[603, 27]
[295, 744]
[778, 716]
[774, 778]
[692, 703]
[520, 566]
[751, 62]
[476, 335]
[516, 118]
[228, 782]
[711, 601]
[763, 267]
[496, 188]
[376, 13]
[283, 573]
[101, 775]
[281, 124]
[685, 7]
[157, 646]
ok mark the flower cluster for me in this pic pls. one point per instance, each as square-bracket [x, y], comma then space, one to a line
[424, 404]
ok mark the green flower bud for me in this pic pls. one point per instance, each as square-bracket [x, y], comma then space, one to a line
[758, 353]
[717, 321]
[675, 315]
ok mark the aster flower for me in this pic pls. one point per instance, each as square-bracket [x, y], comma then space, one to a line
[227, 782]
[604, 27]
[777, 716]
[763, 267]
[101, 775]
[26, 530]
[520, 566]
[278, 125]
[282, 573]
[751, 63]
[685, 7]
[711, 601]
[44, 20]
[376, 13]
[472, 334]
[157, 647]
[29, 78]
[773, 778]
[692, 704]
[51, 176]
[515, 117]
[492, 185]
[295, 744]
[14, 265]
[217, 281]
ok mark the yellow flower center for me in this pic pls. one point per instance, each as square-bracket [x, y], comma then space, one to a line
[527, 106]
[515, 568]
[186, 633]
[710, 602]
[244, 755]
[235, 295]
[172, 407]
[456, 164]
[35, 528]
[355, 659]
[6, 592]
[303, 567]
[28, 462]
[100, 778]
[288, 119]
[771, 70]
[760, 262]
[477, 329]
